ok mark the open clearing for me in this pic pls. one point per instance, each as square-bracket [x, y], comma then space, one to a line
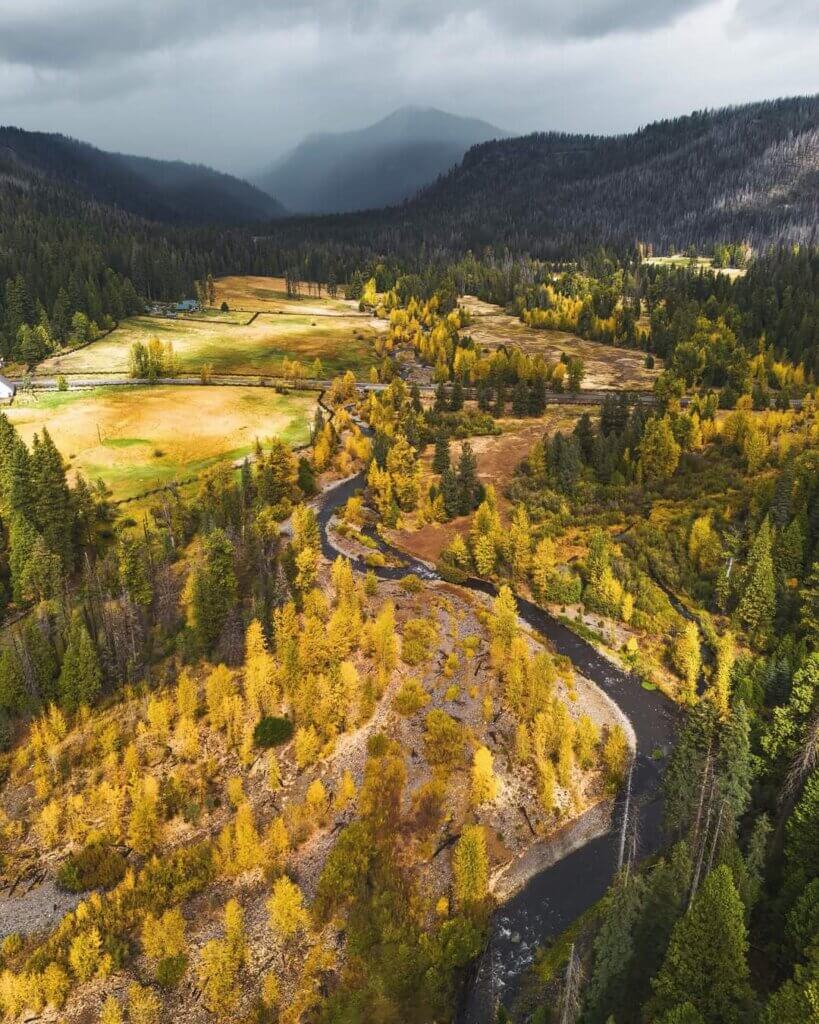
[606, 366]
[270, 295]
[138, 438]
[698, 263]
[340, 342]
[498, 457]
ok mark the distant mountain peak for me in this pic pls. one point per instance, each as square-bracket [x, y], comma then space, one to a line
[379, 165]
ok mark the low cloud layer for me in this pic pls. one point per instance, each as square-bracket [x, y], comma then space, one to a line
[235, 84]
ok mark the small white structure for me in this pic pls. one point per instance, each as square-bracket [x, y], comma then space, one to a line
[8, 389]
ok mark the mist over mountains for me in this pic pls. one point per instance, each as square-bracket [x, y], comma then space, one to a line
[376, 166]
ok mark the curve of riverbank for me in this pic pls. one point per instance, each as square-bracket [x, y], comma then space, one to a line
[555, 896]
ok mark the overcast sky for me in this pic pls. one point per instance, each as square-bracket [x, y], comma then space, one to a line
[235, 84]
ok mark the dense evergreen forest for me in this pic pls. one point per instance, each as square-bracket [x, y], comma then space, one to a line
[161, 190]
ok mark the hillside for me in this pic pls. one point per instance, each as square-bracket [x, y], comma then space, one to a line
[376, 166]
[168, 191]
[749, 172]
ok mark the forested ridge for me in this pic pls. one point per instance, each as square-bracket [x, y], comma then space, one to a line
[740, 173]
[162, 190]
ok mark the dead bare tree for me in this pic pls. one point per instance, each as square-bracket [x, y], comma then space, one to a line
[572, 989]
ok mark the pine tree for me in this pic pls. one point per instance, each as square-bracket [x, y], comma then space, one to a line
[134, 571]
[441, 458]
[467, 479]
[757, 606]
[705, 963]
[450, 493]
[802, 835]
[212, 589]
[735, 762]
[809, 606]
[613, 949]
[80, 676]
[52, 499]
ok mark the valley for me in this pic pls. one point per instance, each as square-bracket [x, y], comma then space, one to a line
[409, 608]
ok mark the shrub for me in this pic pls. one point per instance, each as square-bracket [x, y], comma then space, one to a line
[97, 866]
[420, 636]
[170, 970]
[563, 589]
[272, 731]
[410, 698]
[443, 739]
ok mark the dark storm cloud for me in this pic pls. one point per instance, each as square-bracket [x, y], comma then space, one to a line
[235, 84]
[50, 34]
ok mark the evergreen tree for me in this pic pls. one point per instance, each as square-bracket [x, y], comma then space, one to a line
[451, 493]
[757, 605]
[456, 398]
[80, 675]
[613, 949]
[802, 842]
[441, 458]
[212, 589]
[467, 479]
[705, 963]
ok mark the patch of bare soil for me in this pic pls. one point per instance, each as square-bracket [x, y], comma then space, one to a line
[497, 457]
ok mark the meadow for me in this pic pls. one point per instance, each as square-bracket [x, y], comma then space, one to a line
[341, 343]
[269, 294]
[606, 366]
[137, 438]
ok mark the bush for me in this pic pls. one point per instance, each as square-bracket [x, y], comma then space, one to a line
[418, 641]
[563, 589]
[443, 739]
[272, 731]
[410, 698]
[451, 573]
[377, 744]
[97, 866]
[170, 970]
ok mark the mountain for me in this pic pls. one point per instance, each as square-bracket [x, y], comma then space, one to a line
[740, 173]
[376, 166]
[160, 190]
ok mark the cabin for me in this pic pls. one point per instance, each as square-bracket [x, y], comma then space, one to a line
[187, 306]
[8, 389]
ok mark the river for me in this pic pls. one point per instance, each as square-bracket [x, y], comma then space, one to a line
[557, 895]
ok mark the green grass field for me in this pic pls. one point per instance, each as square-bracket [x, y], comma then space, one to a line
[341, 343]
[138, 438]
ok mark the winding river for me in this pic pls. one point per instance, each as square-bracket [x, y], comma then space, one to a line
[558, 894]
